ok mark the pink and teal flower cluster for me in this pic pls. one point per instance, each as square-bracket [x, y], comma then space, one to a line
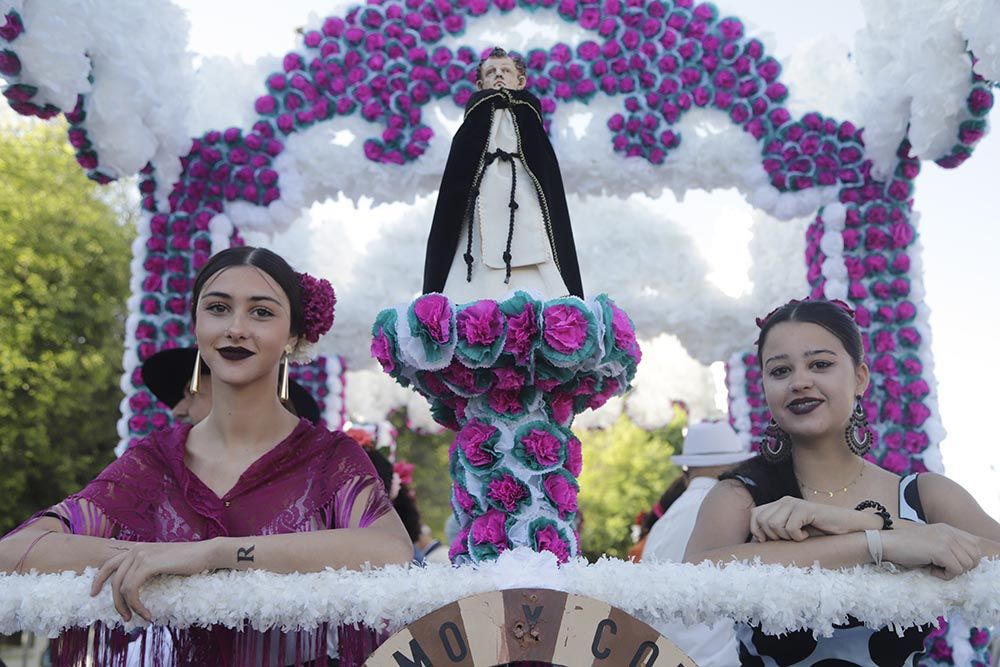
[512, 354]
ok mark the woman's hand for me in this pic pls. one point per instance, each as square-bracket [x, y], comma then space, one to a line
[946, 551]
[134, 564]
[795, 519]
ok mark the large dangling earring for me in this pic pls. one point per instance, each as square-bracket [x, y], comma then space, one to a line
[283, 389]
[858, 434]
[775, 446]
[195, 385]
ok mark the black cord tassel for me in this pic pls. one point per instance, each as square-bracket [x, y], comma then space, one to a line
[510, 227]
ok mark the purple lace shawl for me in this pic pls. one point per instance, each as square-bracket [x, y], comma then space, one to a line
[312, 480]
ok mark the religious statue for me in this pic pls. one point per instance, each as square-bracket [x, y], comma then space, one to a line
[501, 222]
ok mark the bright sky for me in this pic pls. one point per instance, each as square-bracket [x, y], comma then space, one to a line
[958, 226]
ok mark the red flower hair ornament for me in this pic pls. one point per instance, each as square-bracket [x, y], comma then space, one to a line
[318, 303]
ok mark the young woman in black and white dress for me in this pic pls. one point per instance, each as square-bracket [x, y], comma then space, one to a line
[811, 497]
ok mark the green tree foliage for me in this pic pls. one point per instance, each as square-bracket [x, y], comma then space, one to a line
[64, 274]
[431, 482]
[625, 471]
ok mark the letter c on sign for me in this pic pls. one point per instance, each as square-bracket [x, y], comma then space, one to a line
[602, 653]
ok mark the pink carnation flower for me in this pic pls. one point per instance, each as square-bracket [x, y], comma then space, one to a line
[318, 302]
[507, 491]
[574, 457]
[381, 352]
[463, 498]
[562, 494]
[548, 539]
[565, 328]
[471, 439]
[481, 323]
[543, 446]
[490, 528]
[434, 312]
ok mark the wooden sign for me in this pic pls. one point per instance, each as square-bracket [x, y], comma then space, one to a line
[528, 624]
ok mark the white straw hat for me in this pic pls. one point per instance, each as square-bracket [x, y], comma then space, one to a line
[711, 444]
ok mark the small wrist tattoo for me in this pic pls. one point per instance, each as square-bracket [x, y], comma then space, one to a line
[245, 554]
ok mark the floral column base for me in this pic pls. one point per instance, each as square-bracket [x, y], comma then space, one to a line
[509, 377]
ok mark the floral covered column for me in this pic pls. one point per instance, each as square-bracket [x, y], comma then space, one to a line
[509, 377]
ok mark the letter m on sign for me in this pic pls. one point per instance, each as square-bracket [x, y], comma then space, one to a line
[419, 658]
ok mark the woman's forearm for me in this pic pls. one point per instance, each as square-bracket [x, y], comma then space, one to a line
[46, 550]
[314, 551]
[830, 551]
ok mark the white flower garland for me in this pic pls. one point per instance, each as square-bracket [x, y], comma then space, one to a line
[780, 598]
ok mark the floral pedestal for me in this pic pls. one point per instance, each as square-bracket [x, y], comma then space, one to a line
[509, 376]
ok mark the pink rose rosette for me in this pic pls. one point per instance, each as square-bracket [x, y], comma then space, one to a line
[540, 446]
[569, 332]
[481, 328]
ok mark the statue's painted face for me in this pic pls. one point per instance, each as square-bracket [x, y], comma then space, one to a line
[500, 73]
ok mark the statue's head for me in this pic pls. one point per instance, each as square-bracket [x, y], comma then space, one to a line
[500, 70]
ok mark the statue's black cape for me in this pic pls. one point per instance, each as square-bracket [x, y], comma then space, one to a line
[456, 197]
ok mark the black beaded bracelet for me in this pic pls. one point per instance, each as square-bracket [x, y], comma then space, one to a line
[880, 510]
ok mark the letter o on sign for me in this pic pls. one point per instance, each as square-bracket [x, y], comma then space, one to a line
[528, 624]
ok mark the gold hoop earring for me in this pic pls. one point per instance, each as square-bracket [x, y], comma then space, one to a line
[283, 390]
[195, 385]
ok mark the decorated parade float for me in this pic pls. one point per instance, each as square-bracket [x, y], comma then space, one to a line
[509, 370]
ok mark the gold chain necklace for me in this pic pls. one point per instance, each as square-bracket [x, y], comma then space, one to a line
[817, 492]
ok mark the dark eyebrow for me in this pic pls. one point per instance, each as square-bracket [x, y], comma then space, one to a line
[809, 353]
[223, 295]
[775, 358]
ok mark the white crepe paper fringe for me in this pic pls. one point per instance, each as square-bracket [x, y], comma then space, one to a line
[779, 598]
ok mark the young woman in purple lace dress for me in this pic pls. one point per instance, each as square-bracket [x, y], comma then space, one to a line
[250, 486]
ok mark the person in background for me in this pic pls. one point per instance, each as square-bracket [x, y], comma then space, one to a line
[432, 549]
[645, 521]
[710, 449]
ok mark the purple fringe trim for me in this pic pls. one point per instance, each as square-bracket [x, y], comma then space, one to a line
[101, 646]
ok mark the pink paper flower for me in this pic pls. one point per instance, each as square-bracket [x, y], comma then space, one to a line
[461, 377]
[460, 545]
[543, 446]
[574, 456]
[481, 323]
[508, 379]
[917, 413]
[565, 328]
[381, 352]
[894, 462]
[472, 438]
[562, 493]
[561, 405]
[434, 312]
[463, 498]
[490, 529]
[624, 333]
[506, 402]
[507, 491]
[548, 539]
